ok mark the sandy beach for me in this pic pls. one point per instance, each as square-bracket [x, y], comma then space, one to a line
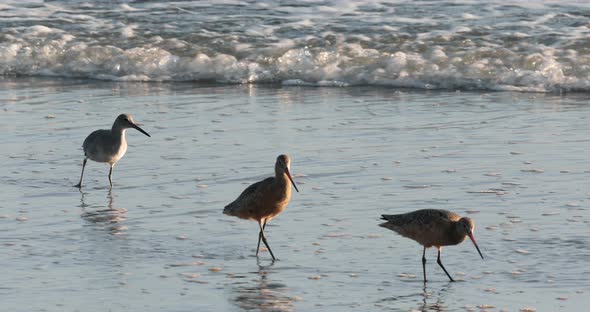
[514, 162]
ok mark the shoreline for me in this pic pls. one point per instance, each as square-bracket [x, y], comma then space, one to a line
[271, 85]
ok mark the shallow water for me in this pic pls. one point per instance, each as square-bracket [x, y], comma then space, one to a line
[515, 163]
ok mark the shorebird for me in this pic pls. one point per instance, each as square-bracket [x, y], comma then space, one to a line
[264, 200]
[108, 146]
[432, 227]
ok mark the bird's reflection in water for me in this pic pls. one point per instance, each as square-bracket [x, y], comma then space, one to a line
[109, 217]
[263, 293]
[428, 299]
[433, 302]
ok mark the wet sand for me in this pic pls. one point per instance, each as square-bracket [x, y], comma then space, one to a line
[514, 162]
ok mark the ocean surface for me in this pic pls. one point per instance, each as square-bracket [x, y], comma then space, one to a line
[536, 46]
[384, 107]
[515, 162]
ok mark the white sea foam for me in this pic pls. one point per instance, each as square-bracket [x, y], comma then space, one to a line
[128, 31]
[39, 30]
[469, 16]
[351, 64]
[127, 7]
[339, 43]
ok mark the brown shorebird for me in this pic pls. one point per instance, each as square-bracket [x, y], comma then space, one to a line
[108, 145]
[264, 200]
[432, 227]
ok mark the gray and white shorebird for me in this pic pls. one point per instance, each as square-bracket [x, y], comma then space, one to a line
[264, 200]
[432, 227]
[108, 145]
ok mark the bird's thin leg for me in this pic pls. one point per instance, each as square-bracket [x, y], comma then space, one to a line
[265, 242]
[259, 237]
[111, 175]
[79, 185]
[441, 265]
[424, 264]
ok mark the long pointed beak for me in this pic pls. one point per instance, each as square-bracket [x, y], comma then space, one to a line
[293, 182]
[474, 243]
[141, 130]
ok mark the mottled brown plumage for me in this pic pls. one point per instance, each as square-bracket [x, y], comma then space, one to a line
[432, 227]
[264, 200]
